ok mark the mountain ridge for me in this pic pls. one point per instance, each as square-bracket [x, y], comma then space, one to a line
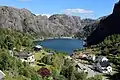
[25, 21]
[106, 27]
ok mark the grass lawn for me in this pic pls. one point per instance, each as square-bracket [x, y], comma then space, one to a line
[38, 56]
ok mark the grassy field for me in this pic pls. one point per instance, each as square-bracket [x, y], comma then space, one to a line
[38, 56]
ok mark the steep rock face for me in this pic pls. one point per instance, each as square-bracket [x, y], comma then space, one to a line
[88, 26]
[107, 26]
[70, 23]
[18, 19]
[23, 20]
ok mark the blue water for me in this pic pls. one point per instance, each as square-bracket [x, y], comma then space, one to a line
[62, 45]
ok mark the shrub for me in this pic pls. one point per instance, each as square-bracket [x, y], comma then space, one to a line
[44, 72]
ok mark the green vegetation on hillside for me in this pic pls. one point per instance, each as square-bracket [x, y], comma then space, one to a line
[110, 47]
[13, 67]
[55, 66]
[10, 39]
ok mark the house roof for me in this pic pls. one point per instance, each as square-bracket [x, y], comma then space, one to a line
[86, 52]
[23, 54]
[99, 58]
[38, 46]
[2, 75]
[104, 64]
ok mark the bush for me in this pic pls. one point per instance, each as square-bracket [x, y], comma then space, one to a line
[80, 76]
[96, 77]
[44, 72]
[36, 77]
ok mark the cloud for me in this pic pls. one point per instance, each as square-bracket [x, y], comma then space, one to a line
[78, 11]
[48, 15]
[88, 16]
[37, 14]
[25, 0]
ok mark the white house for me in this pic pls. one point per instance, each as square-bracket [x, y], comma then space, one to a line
[37, 48]
[103, 67]
[2, 75]
[26, 57]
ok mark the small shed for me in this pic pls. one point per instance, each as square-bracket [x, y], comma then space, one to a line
[37, 48]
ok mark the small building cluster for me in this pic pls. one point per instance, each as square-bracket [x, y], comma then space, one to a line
[26, 57]
[85, 55]
[100, 63]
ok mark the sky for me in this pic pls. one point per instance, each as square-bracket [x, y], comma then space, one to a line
[83, 8]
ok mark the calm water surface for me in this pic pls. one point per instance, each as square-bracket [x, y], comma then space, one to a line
[62, 45]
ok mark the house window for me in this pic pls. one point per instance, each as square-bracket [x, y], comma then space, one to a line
[54, 18]
[32, 56]
[25, 58]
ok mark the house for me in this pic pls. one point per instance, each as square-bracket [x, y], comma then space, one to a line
[91, 57]
[26, 57]
[83, 55]
[87, 55]
[2, 75]
[103, 67]
[37, 48]
[101, 59]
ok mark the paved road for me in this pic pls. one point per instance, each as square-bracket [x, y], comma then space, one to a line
[91, 72]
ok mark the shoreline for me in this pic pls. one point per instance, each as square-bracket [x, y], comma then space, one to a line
[54, 38]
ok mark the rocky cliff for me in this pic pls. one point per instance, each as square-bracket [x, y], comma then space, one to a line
[70, 24]
[25, 21]
[107, 26]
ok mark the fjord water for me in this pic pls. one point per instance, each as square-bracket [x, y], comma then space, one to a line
[62, 45]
